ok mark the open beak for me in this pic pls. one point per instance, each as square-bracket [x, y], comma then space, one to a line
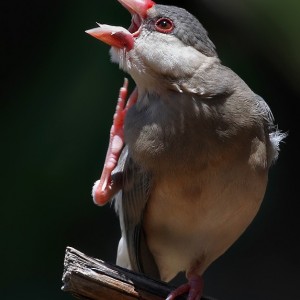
[139, 7]
[120, 37]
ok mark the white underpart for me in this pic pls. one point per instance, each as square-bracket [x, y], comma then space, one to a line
[122, 254]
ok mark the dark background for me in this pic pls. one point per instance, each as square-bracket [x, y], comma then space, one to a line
[58, 93]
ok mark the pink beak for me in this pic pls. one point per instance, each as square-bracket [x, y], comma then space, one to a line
[139, 7]
[114, 36]
[117, 36]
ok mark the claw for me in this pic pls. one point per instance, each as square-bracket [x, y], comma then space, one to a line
[105, 188]
[194, 288]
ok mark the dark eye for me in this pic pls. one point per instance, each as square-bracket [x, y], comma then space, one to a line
[164, 25]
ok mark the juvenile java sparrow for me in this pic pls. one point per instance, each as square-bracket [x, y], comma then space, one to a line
[189, 152]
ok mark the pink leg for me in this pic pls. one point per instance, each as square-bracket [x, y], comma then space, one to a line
[105, 188]
[194, 287]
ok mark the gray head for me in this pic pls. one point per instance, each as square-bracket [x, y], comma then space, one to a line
[164, 44]
[184, 26]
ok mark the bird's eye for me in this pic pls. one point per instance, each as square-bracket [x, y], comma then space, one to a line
[164, 25]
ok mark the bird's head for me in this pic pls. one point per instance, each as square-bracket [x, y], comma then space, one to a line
[163, 45]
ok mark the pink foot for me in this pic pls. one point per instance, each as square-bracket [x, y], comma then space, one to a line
[105, 188]
[194, 288]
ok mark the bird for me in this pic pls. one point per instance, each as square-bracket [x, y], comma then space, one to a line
[190, 148]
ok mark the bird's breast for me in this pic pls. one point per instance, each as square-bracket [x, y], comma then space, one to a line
[193, 217]
[206, 188]
[166, 131]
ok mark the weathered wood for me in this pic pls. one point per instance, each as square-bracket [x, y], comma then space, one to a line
[90, 278]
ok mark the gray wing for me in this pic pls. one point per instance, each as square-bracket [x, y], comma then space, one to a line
[130, 204]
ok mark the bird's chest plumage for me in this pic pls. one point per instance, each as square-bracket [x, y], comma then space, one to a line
[202, 184]
[166, 132]
[192, 217]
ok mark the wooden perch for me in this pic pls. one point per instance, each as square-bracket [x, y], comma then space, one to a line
[90, 278]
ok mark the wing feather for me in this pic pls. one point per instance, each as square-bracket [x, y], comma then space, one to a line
[130, 204]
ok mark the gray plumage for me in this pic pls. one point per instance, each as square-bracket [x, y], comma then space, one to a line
[194, 119]
[191, 32]
[198, 146]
